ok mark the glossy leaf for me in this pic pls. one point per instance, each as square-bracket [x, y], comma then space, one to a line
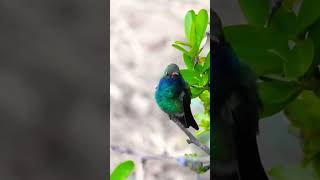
[285, 21]
[290, 172]
[205, 98]
[276, 95]
[256, 37]
[180, 48]
[309, 13]
[198, 67]
[261, 61]
[300, 59]
[206, 64]
[289, 4]
[256, 12]
[204, 120]
[316, 166]
[204, 79]
[315, 36]
[189, 20]
[264, 50]
[122, 171]
[182, 43]
[191, 76]
[304, 112]
[201, 25]
[311, 146]
[196, 91]
[188, 61]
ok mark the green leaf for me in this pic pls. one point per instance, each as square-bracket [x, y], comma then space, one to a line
[290, 172]
[262, 61]
[182, 43]
[257, 37]
[311, 148]
[204, 119]
[285, 21]
[200, 132]
[317, 92]
[201, 25]
[309, 13]
[304, 111]
[315, 36]
[192, 77]
[289, 4]
[316, 166]
[188, 61]
[256, 12]
[189, 20]
[196, 91]
[264, 50]
[198, 67]
[300, 59]
[206, 64]
[204, 79]
[276, 95]
[122, 171]
[190, 155]
[205, 98]
[180, 48]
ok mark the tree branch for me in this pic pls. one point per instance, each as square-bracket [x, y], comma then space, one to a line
[193, 164]
[129, 151]
[192, 139]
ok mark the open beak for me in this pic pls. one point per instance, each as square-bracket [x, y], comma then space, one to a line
[174, 74]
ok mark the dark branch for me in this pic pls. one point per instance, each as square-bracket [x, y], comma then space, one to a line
[192, 139]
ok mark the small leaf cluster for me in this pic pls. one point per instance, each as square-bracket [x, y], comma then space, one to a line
[197, 75]
[286, 57]
[197, 72]
[192, 163]
[190, 155]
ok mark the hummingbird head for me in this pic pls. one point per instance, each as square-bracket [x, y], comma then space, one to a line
[172, 70]
[217, 33]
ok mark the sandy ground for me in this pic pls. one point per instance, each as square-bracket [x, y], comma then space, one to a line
[141, 35]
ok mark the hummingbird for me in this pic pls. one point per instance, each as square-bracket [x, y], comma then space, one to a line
[173, 96]
[235, 106]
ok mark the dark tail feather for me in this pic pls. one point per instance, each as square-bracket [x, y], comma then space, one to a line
[250, 166]
[188, 118]
[190, 121]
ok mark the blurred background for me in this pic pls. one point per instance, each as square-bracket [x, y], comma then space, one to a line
[53, 90]
[141, 35]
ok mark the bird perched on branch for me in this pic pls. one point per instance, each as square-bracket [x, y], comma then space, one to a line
[173, 96]
[235, 106]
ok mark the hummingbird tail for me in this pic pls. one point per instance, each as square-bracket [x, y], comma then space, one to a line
[191, 122]
[194, 124]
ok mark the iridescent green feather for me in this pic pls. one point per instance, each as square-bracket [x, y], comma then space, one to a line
[167, 98]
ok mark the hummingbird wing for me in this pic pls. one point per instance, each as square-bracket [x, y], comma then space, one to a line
[187, 110]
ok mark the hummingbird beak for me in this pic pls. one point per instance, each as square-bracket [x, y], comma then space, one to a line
[174, 74]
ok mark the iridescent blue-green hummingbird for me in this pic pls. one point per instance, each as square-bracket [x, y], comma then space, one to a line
[235, 106]
[173, 96]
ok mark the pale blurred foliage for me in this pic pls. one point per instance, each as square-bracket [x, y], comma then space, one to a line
[140, 47]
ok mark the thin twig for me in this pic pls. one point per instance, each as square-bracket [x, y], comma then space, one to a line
[144, 158]
[192, 139]
[129, 151]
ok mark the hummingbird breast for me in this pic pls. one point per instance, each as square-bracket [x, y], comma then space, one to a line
[168, 95]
